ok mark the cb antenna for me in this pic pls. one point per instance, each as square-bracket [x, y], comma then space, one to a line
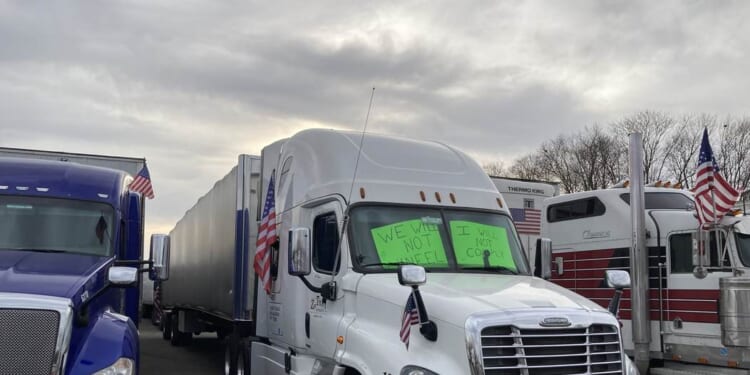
[361, 142]
[331, 286]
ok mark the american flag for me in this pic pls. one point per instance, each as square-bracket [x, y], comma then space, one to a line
[714, 197]
[528, 220]
[409, 318]
[142, 183]
[266, 236]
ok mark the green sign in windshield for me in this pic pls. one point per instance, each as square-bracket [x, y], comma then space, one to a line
[473, 242]
[415, 241]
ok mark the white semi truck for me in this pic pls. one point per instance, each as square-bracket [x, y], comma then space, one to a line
[365, 222]
[698, 293]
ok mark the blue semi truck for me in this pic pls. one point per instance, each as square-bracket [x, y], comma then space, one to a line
[71, 239]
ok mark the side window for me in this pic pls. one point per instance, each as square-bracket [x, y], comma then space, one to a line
[577, 209]
[681, 253]
[325, 243]
[716, 252]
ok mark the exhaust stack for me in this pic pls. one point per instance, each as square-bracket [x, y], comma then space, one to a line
[639, 257]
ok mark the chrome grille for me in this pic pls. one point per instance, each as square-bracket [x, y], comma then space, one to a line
[592, 350]
[28, 340]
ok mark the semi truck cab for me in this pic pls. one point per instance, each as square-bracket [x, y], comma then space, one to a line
[70, 246]
[358, 217]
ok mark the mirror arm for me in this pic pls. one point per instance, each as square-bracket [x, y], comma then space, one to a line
[427, 328]
[614, 304]
[132, 262]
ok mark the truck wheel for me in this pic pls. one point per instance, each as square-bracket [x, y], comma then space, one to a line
[237, 358]
[166, 327]
[175, 333]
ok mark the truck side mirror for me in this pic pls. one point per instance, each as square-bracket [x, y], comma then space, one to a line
[159, 255]
[544, 254]
[617, 279]
[122, 276]
[299, 252]
[410, 275]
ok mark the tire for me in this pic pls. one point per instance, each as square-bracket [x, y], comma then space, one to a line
[166, 327]
[176, 339]
[236, 357]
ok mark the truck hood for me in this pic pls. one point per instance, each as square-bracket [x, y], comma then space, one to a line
[453, 297]
[53, 274]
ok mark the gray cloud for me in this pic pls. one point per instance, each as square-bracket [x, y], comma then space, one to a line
[191, 84]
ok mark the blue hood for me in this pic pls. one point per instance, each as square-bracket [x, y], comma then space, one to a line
[53, 274]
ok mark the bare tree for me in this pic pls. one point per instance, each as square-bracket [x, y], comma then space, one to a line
[654, 127]
[734, 154]
[495, 168]
[530, 167]
[587, 160]
[685, 141]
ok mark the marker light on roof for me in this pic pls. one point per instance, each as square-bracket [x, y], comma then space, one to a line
[103, 195]
[3, 187]
[42, 189]
[22, 188]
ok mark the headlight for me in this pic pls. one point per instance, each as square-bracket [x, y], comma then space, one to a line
[414, 370]
[123, 366]
[630, 368]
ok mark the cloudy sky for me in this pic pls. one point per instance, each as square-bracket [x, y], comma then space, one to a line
[190, 84]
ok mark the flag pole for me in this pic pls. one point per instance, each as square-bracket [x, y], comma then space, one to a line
[716, 224]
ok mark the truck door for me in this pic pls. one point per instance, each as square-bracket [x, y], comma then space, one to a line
[691, 309]
[323, 316]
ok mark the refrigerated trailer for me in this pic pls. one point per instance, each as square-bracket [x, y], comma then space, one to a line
[368, 225]
[525, 199]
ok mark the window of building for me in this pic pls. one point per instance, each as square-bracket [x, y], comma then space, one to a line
[325, 243]
[577, 209]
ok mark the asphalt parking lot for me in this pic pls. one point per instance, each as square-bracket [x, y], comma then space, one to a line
[205, 355]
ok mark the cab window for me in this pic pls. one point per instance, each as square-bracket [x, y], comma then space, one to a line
[325, 243]
[681, 253]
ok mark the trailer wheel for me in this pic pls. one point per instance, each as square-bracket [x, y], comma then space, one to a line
[174, 337]
[236, 357]
[166, 327]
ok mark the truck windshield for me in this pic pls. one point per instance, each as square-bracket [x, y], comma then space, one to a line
[743, 247]
[448, 240]
[55, 225]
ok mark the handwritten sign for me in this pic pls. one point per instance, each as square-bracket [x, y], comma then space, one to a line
[415, 241]
[474, 242]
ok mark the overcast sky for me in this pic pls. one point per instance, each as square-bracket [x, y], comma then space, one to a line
[190, 84]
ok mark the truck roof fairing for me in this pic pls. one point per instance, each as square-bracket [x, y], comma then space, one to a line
[391, 169]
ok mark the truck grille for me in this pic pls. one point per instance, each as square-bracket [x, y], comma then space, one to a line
[592, 350]
[27, 341]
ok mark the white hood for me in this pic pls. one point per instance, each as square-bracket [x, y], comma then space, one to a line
[453, 297]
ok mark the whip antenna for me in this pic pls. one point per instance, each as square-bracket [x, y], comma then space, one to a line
[345, 223]
[361, 142]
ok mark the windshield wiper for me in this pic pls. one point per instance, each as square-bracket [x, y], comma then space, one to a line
[386, 264]
[501, 269]
[40, 250]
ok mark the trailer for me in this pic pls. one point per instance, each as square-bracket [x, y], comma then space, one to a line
[361, 221]
[525, 199]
